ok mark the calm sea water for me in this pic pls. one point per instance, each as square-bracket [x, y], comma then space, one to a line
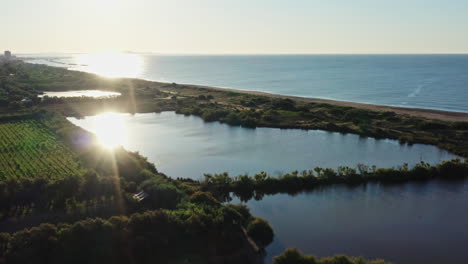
[422, 81]
[404, 223]
[186, 146]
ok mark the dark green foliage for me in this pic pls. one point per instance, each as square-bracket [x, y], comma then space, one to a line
[243, 211]
[201, 97]
[255, 101]
[261, 232]
[430, 125]
[283, 104]
[150, 237]
[247, 187]
[213, 115]
[294, 256]
[204, 198]
[460, 125]
[233, 119]
[161, 194]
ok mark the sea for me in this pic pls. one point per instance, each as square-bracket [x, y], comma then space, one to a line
[416, 81]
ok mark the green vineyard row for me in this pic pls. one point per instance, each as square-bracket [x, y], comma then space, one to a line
[29, 149]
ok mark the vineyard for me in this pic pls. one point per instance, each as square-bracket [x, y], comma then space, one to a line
[29, 149]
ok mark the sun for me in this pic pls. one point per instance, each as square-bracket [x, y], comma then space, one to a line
[110, 130]
[112, 64]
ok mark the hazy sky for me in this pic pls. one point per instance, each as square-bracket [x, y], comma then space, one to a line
[235, 26]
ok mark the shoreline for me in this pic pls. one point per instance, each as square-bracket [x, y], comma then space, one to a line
[434, 114]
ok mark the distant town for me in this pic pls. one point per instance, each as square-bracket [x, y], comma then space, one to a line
[7, 56]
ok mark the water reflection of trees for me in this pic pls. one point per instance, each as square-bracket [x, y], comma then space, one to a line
[246, 187]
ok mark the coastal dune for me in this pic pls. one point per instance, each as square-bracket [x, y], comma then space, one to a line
[418, 112]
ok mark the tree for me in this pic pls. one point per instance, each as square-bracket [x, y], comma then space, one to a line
[204, 198]
[261, 232]
[293, 256]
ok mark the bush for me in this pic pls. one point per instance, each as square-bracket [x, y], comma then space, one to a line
[232, 119]
[283, 104]
[261, 232]
[210, 115]
[294, 256]
[204, 198]
[161, 194]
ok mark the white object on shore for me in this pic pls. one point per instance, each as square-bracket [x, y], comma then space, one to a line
[140, 196]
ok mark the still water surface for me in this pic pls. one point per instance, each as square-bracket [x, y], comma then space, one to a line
[186, 146]
[404, 223]
[80, 93]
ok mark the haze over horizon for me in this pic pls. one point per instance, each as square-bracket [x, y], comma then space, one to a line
[240, 27]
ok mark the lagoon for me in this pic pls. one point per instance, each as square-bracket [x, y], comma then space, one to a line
[80, 93]
[402, 223]
[188, 147]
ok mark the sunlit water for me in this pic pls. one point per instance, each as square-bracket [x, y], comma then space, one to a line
[404, 223]
[423, 81]
[186, 146]
[80, 93]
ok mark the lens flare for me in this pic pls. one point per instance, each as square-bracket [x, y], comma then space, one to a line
[111, 64]
[110, 130]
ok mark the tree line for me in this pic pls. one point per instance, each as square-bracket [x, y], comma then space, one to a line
[196, 232]
[294, 256]
[247, 187]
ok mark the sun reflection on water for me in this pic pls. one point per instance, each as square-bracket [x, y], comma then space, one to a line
[110, 130]
[112, 64]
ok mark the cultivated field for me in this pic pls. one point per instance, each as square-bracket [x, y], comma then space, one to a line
[29, 149]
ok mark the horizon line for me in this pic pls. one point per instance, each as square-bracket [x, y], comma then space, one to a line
[238, 54]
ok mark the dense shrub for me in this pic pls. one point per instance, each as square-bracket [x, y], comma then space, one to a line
[158, 236]
[204, 198]
[261, 232]
[246, 187]
[294, 256]
[283, 104]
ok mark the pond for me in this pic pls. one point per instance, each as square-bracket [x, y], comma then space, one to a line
[186, 146]
[404, 223]
[80, 93]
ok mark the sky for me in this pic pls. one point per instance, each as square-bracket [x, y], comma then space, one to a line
[235, 26]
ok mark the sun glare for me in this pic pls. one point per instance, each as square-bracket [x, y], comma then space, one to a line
[112, 64]
[110, 130]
